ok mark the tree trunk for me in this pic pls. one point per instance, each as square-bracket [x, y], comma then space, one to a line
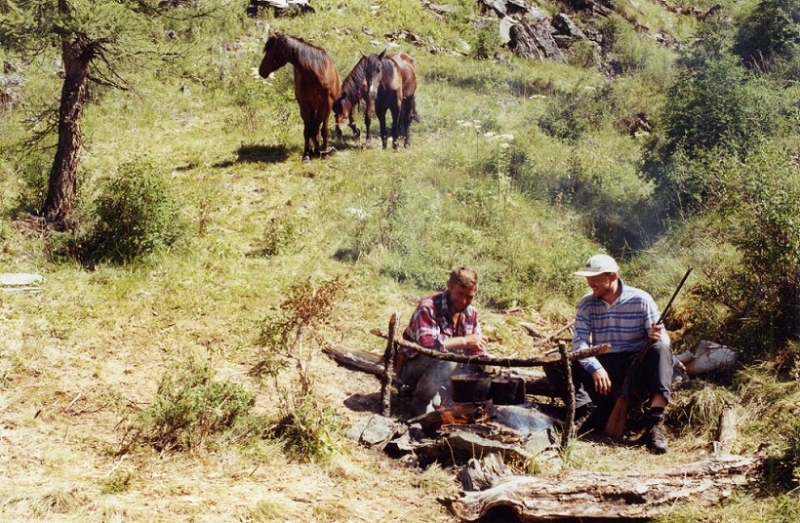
[62, 188]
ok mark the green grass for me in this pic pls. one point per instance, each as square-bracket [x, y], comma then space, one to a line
[390, 224]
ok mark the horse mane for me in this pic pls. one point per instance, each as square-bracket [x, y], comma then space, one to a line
[351, 83]
[299, 51]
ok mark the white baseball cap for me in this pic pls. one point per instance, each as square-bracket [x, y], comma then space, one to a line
[598, 264]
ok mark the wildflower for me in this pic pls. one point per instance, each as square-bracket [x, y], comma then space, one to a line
[359, 214]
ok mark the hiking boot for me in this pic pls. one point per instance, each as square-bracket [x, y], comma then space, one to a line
[656, 438]
[582, 415]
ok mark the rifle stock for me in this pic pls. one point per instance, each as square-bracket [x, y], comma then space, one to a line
[615, 426]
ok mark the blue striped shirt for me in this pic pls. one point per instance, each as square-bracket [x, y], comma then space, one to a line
[623, 324]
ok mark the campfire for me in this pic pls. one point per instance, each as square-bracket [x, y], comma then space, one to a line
[489, 430]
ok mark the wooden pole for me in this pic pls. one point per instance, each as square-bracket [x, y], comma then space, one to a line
[570, 421]
[499, 362]
[388, 369]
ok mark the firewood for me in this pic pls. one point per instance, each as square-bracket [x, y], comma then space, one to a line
[481, 474]
[585, 494]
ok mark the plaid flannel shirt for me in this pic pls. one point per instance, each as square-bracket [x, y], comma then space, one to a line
[431, 324]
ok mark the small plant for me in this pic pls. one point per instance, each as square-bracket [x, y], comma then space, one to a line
[434, 478]
[190, 407]
[117, 483]
[137, 214]
[486, 40]
[306, 425]
[308, 429]
[585, 54]
[698, 409]
[280, 235]
[304, 310]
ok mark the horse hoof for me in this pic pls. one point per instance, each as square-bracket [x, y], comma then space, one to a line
[306, 158]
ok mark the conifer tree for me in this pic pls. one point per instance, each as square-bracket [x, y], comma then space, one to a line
[94, 38]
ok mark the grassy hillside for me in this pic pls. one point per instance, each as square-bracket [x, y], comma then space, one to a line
[188, 384]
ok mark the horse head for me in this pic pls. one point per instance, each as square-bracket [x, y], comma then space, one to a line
[342, 110]
[373, 74]
[274, 57]
[343, 115]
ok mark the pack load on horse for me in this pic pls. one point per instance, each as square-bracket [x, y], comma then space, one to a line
[316, 85]
[383, 83]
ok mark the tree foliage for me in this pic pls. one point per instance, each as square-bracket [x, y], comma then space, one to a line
[95, 38]
[770, 29]
[715, 108]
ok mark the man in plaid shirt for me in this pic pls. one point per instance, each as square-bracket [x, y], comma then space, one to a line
[446, 322]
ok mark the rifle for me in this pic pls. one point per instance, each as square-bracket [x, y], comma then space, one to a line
[616, 422]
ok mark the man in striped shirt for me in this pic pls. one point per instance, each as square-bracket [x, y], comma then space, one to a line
[624, 317]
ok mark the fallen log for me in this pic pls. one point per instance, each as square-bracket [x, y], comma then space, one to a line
[584, 494]
[362, 360]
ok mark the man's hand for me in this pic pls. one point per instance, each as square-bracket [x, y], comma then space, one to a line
[474, 345]
[602, 383]
[655, 332]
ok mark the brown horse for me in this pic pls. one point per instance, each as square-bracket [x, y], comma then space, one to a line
[385, 83]
[316, 84]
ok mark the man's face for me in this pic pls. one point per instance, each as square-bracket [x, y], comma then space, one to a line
[460, 296]
[602, 285]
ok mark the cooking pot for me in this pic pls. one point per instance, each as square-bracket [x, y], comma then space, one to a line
[470, 387]
[507, 390]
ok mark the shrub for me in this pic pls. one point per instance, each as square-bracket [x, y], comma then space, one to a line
[190, 407]
[385, 226]
[281, 234]
[768, 236]
[714, 110]
[308, 429]
[570, 114]
[584, 53]
[305, 309]
[305, 425]
[137, 214]
[486, 40]
[768, 30]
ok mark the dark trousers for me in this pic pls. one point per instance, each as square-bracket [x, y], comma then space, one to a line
[654, 375]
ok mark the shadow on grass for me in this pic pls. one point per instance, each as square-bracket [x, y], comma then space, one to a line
[257, 153]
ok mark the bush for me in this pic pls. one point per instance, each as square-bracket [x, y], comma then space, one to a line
[190, 407]
[768, 237]
[714, 110]
[749, 297]
[137, 215]
[290, 337]
[281, 234]
[767, 31]
[308, 429]
[486, 40]
[570, 114]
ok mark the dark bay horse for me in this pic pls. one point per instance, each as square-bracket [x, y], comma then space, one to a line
[316, 84]
[384, 83]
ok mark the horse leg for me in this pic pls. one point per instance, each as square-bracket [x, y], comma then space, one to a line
[396, 126]
[407, 111]
[382, 122]
[368, 122]
[326, 116]
[308, 132]
[354, 127]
